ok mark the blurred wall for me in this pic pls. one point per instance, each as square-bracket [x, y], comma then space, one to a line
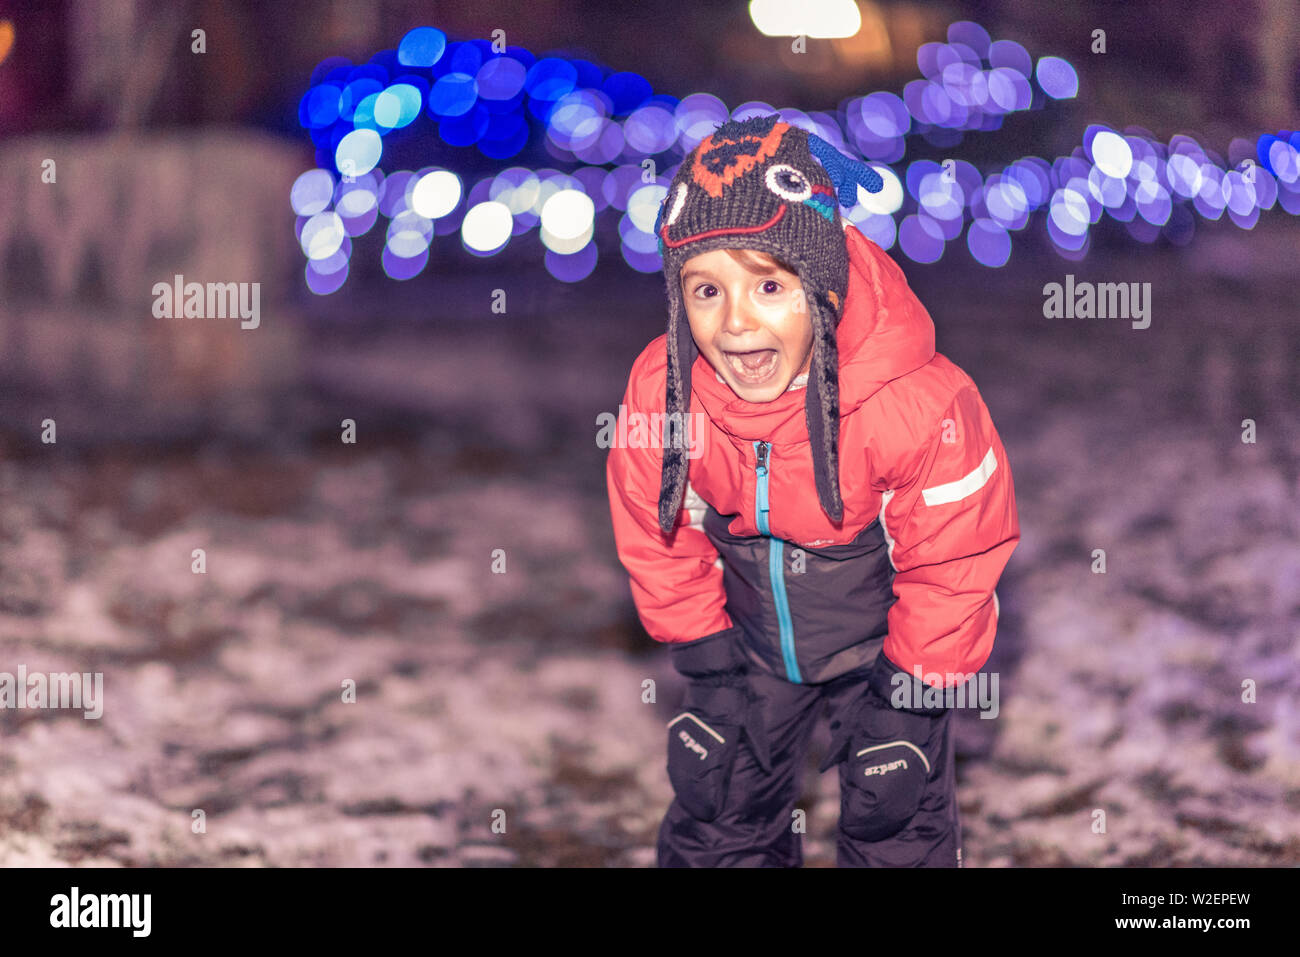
[92, 223]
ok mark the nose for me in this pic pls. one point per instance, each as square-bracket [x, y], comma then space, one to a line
[740, 317]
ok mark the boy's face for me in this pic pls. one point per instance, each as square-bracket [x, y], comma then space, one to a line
[749, 321]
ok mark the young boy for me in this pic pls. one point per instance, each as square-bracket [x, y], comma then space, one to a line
[831, 532]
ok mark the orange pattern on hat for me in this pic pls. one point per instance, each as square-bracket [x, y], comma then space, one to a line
[759, 151]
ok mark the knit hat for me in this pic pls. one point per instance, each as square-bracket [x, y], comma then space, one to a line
[762, 184]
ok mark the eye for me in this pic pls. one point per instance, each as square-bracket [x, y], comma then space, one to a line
[771, 286]
[788, 183]
[705, 286]
[678, 202]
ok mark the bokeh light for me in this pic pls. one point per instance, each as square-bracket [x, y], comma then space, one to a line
[615, 144]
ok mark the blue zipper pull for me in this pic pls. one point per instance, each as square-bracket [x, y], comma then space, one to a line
[761, 450]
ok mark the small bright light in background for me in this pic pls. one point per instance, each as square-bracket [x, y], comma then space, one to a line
[6, 38]
[422, 46]
[358, 152]
[397, 106]
[573, 268]
[1057, 78]
[486, 227]
[567, 221]
[1069, 210]
[643, 206]
[698, 115]
[889, 200]
[1285, 160]
[1107, 190]
[322, 284]
[516, 187]
[811, 18]
[322, 235]
[1006, 202]
[311, 192]
[409, 234]
[881, 230]
[550, 182]
[436, 194]
[650, 129]
[1112, 153]
[989, 243]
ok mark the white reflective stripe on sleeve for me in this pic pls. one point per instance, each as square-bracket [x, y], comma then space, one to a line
[889, 541]
[958, 490]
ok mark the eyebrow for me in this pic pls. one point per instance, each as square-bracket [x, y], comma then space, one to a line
[693, 273]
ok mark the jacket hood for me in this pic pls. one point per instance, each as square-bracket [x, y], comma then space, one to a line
[884, 333]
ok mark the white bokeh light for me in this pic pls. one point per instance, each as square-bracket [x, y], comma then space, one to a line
[1112, 154]
[643, 206]
[487, 226]
[436, 194]
[568, 214]
[322, 235]
[889, 200]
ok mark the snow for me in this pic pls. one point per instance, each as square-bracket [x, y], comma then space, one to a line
[520, 694]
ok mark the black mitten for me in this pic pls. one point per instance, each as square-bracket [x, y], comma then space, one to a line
[718, 710]
[886, 756]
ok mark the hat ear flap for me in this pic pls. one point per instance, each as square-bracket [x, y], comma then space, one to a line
[822, 407]
[682, 353]
[845, 172]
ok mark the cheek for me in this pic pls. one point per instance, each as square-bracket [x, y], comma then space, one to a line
[700, 320]
[798, 333]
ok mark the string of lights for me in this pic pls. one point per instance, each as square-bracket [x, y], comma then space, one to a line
[620, 143]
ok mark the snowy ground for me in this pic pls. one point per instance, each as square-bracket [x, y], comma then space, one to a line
[518, 696]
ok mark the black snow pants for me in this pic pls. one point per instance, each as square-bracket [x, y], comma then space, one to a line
[757, 823]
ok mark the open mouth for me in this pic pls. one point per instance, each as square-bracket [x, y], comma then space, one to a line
[752, 368]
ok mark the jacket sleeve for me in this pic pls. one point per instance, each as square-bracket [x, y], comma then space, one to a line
[677, 580]
[950, 526]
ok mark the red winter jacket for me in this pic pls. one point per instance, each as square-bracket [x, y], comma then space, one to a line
[929, 507]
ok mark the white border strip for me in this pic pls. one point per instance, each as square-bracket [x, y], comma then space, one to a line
[687, 714]
[966, 485]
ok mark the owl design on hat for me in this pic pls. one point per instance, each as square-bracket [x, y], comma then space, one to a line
[767, 185]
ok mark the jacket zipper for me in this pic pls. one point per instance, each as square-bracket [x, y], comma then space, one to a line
[775, 561]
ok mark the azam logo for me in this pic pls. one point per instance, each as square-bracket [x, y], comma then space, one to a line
[693, 745]
[886, 768]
